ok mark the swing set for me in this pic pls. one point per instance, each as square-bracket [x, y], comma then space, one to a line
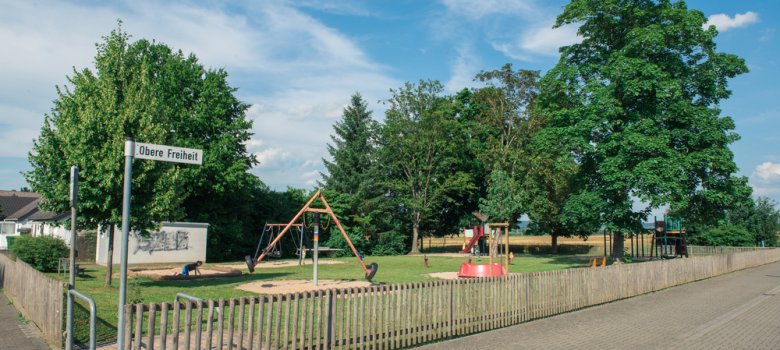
[275, 251]
[276, 234]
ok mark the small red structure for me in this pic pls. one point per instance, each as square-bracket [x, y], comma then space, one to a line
[469, 269]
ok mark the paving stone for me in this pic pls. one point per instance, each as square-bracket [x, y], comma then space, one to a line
[15, 335]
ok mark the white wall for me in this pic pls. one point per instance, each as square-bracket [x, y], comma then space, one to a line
[51, 229]
[175, 242]
[10, 228]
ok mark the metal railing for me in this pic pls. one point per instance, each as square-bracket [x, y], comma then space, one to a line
[92, 319]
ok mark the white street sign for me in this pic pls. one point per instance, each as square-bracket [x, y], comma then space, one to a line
[168, 153]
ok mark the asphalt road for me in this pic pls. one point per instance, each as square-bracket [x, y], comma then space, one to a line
[740, 310]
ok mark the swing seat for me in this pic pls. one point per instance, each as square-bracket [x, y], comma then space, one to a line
[250, 263]
[372, 268]
[275, 254]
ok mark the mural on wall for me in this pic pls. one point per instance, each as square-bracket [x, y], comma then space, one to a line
[162, 241]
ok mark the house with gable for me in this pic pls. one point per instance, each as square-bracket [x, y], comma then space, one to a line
[20, 215]
[16, 208]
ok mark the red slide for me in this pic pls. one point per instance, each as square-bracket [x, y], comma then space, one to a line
[474, 239]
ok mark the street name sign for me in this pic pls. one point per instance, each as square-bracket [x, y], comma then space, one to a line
[168, 153]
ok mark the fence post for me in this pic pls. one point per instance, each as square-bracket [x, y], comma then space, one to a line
[452, 309]
[328, 318]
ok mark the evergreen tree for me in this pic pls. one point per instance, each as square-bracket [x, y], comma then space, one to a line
[349, 184]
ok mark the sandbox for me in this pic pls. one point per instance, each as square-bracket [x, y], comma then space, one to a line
[168, 274]
[445, 275]
[293, 286]
[281, 263]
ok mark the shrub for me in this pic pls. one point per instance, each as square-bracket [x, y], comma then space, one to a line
[10, 242]
[336, 240]
[42, 253]
[389, 243]
[724, 235]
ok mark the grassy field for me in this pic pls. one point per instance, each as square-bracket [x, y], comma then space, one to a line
[392, 269]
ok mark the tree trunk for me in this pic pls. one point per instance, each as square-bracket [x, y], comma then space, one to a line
[554, 235]
[415, 234]
[110, 256]
[617, 243]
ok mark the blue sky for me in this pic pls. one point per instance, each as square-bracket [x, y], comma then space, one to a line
[297, 63]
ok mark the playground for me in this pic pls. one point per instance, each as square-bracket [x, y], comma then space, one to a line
[277, 276]
[489, 250]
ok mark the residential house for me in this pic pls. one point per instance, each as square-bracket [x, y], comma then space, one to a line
[20, 215]
[15, 211]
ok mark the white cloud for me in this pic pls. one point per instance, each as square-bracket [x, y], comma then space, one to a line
[463, 70]
[545, 40]
[723, 22]
[765, 179]
[767, 172]
[296, 72]
[478, 9]
[521, 30]
[766, 191]
[271, 157]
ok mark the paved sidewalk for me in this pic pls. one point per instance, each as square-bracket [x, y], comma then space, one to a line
[740, 310]
[13, 334]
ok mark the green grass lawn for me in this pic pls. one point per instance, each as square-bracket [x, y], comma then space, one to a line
[392, 269]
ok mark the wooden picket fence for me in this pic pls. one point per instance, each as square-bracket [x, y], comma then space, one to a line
[38, 297]
[695, 250]
[403, 315]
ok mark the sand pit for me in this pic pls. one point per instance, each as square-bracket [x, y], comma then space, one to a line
[172, 273]
[444, 275]
[292, 286]
[280, 263]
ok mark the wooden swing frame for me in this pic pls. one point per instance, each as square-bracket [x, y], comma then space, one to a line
[307, 208]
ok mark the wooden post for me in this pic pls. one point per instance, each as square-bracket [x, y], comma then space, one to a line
[231, 323]
[251, 325]
[241, 318]
[220, 324]
[164, 326]
[506, 251]
[150, 325]
[139, 324]
[209, 324]
[187, 323]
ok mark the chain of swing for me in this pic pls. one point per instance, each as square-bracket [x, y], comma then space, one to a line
[299, 239]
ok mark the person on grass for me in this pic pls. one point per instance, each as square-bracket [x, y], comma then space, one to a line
[190, 268]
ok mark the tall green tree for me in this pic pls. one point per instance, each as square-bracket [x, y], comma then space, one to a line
[147, 91]
[505, 103]
[637, 105]
[759, 217]
[349, 183]
[767, 222]
[555, 192]
[419, 157]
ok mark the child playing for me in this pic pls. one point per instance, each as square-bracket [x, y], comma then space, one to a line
[185, 271]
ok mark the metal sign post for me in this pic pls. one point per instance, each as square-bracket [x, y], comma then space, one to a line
[74, 188]
[151, 152]
[120, 329]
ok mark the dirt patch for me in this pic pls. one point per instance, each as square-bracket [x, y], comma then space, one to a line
[280, 263]
[173, 273]
[293, 286]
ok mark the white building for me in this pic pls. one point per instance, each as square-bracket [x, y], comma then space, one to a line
[174, 242]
